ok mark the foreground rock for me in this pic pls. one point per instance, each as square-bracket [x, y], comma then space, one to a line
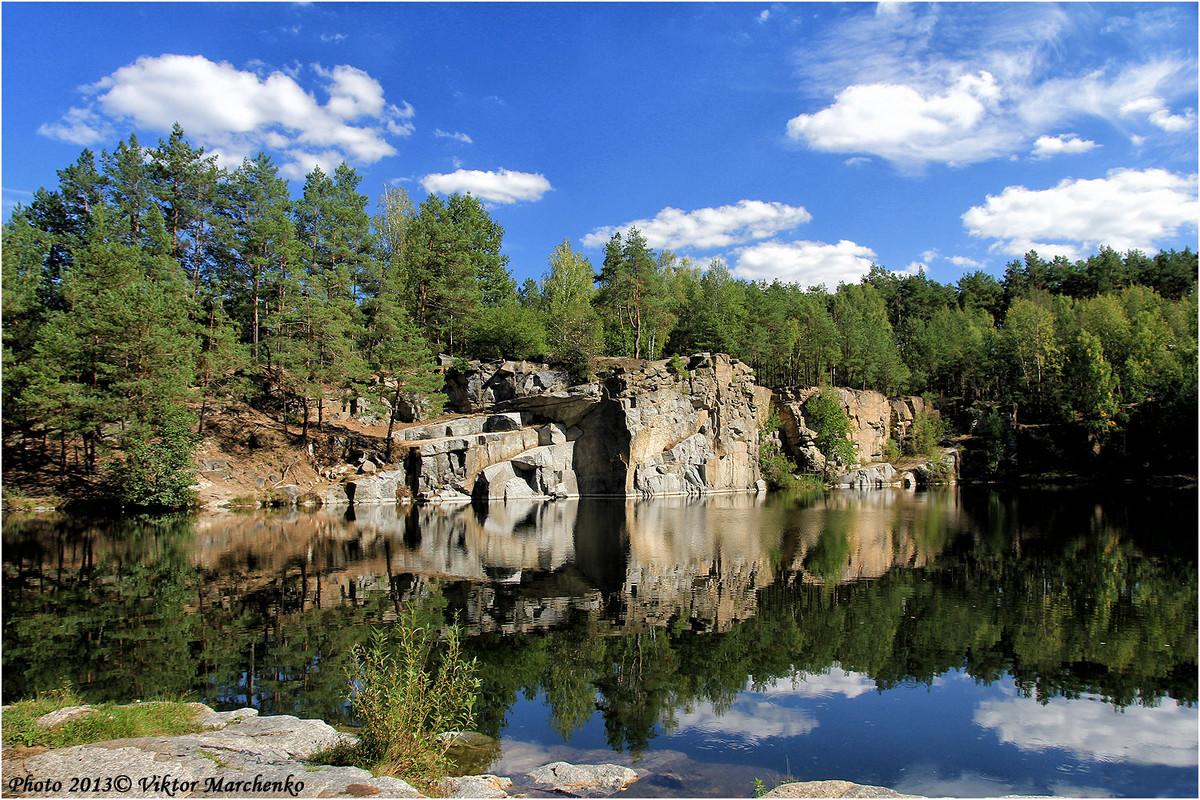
[240, 754]
[831, 789]
[583, 780]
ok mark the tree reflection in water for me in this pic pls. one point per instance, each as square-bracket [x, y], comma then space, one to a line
[638, 611]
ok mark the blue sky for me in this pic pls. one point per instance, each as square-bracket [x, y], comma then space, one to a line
[798, 141]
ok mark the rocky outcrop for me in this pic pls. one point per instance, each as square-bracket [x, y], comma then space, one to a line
[875, 421]
[642, 429]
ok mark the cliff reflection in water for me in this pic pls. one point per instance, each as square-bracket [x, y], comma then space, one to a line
[632, 609]
[632, 563]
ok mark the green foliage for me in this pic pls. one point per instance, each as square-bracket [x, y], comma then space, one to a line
[678, 366]
[408, 691]
[925, 434]
[824, 413]
[777, 469]
[157, 469]
[151, 277]
[507, 331]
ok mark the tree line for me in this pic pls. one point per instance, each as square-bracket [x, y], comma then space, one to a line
[153, 283]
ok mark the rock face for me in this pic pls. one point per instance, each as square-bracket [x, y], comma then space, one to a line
[642, 429]
[874, 421]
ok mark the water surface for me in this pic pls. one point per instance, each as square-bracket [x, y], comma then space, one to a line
[961, 643]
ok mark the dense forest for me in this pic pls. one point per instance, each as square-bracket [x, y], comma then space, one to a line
[153, 283]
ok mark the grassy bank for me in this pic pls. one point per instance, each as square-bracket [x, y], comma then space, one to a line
[105, 721]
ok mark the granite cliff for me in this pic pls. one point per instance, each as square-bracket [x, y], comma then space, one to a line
[641, 429]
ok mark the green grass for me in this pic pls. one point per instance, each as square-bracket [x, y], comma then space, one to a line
[111, 721]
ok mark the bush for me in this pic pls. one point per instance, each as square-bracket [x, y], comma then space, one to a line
[677, 365]
[823, 413]
[406, 695]
[777, 469]
[157, 471]
[926, 432]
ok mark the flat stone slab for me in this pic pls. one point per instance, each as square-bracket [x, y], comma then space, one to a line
[242, 755]
[831, 789]
[583, 779]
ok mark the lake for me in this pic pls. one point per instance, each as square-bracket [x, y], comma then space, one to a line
[957, 642]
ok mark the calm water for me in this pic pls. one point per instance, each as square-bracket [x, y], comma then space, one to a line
[959, 643]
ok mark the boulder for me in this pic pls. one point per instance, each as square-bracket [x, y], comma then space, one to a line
[583, 779]
[831, 789]
[476, 786]
[63, 716]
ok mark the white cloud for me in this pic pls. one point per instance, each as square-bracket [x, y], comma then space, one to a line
[1156, 112]
[764, 15]
[458, 137]
[237, 112]
[749, 719]
[905, 83]
[707, 228]
[1094, 730]
[1048, 146]
[966, 263]
[908, 126]
[805, 263]
[764, 712]
[822, 684]
[502, 186]
[1127, 209]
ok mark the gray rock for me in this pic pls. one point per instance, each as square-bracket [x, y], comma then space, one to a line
[518, 489]
[64, 715]
[476, 786]
[831, 789]
[510, 421]
[583, 779]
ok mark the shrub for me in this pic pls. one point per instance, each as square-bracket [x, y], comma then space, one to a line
[507, 331]
[157, 471]
[926, 431]
[777, 469]
[677, 365]
[823, 413]
[406, 694]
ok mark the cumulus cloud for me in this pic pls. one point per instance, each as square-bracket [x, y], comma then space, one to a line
[908, 126]
[1048, 146]
[918, 85]
[236, 112]
[1092, 729]
[1126, 209]
[707, 228]
[502, 186]
[805, 263]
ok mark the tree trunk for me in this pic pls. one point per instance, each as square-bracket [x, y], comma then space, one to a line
[387, 448]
